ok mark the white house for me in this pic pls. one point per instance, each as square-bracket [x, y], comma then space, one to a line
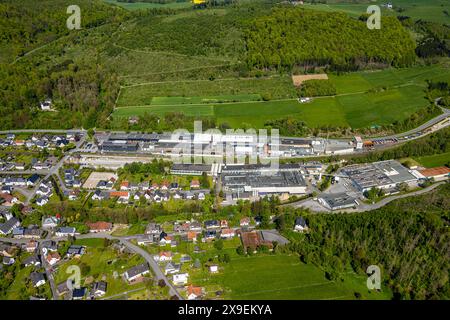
[213, 268]
[180, 279]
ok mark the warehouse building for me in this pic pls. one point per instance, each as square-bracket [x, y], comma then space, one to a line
[119, 146]
[280, 183]
[337, 201]
[383, 175]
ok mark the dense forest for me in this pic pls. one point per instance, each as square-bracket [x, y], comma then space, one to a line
[408, 239]
[82, 92]
[290, 37]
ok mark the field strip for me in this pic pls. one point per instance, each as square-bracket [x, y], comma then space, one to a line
[170, 53]
[200, 80]
[287, 288]
[180, 70]
[203, 104]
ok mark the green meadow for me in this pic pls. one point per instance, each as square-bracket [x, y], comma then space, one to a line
[430, 10]
[282, 277]
[435, 160]
[363, 98]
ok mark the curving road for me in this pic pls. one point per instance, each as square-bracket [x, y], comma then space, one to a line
[124, 240]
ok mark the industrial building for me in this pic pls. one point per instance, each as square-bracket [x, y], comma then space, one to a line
[195, 169]
[383, 175]
[337, 201]
[259, 183]
[119, 146]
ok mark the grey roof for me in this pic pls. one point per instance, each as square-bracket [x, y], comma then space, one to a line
[35, 259]
[66, 230]
[300, 221]
[100, 286]
[137, 270]
[36, 277]
[338, 200]
[378, 174]
[9, 225]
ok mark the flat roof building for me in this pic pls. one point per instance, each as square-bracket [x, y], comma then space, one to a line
[384, 175]
[337, 201]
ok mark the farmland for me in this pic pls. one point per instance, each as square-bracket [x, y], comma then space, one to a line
[430, 10]
[363, 98]
[282, 277]
[435, 160]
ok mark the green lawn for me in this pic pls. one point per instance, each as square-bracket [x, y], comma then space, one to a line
[282, 277]
[363, 99]
[431, 10]
[103, 262]
[436, 160]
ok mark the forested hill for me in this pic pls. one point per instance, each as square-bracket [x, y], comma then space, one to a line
[27, 24]
[408, 239]
[289, 37]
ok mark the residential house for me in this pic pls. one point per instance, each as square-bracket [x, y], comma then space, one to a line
[99, 289]
[194, 293]
[7, 261]
[180, 279]
[31, 246]
[42, 201]
[227, 233]
[195, 184]
[7, 227]
[300, 225]
[49, 246]
[78, 293]
[75, 251]
[33, 260]
[153, 228]
[50, 222]
[37, 278]
[213, 268]
[244, 222]
[212, 224]
[136, 272]
[163, 256]
[53, 258]
[99, 226]
[224, 224]
[65, 231]
[122, 196]
[172, 268]
[210, 234]
[100, 195]
[8, 200]
[195, 226]
[192, 236]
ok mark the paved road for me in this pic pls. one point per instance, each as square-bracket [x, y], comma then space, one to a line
[152, 263]
[49, 274]
[368, 207]
[155, 267]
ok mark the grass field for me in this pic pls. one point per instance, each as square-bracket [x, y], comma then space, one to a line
[102, 262]
[363, 99]
[436, 160]
[430, 10]
[147, 5]
[283, 277]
